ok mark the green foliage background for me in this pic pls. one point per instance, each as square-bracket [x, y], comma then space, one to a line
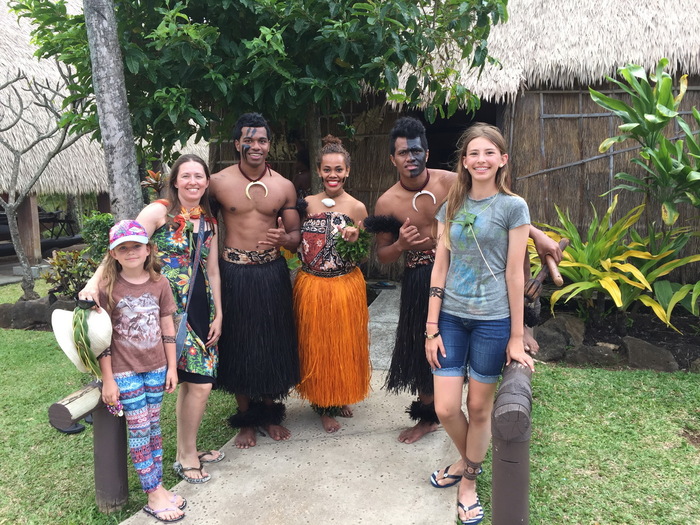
[192, 64]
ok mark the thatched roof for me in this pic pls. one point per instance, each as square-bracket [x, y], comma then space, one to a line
[565, 43]
[79, 169]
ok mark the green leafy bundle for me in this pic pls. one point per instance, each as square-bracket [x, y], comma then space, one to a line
[82, 341]
[353, 251]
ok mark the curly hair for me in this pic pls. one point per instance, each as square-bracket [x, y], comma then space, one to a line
[409, 128]
[333, 144]
[250, 120]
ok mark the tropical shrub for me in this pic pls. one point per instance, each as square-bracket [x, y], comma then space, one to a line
[669, 294]
[671, 168]
[95, 233]
[604, 263]
[70, 270]
[154, 183]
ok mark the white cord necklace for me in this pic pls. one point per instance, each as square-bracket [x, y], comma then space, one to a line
[469, 222]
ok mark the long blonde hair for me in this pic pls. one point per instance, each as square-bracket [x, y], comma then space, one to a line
[457, 195]
[112, 268]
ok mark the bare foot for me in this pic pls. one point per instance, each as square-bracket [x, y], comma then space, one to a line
[330, 424]
[210, 456]
[413, 434]
[245, 438]
[278, 432]
[530, 342]
[346, 411]
[467, 498]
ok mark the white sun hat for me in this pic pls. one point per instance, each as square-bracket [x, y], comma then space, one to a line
[99, 333]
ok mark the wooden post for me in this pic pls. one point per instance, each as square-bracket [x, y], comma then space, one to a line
[109, 443]
[510, 426]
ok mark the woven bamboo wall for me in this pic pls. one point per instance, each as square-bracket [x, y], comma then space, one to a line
[553, 158]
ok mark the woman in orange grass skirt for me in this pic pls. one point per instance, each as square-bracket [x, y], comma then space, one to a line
[330, 296]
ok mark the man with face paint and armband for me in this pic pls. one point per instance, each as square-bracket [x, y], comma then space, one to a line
[259, 360]
[404, 223]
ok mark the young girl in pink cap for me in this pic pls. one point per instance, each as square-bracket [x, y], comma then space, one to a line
[140, 362]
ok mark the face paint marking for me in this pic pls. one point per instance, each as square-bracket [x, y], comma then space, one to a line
[413, 157]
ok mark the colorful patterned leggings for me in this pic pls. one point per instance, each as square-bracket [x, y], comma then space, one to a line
[142, 396]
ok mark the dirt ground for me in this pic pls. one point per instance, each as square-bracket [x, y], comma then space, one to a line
[684, 346]
[643, 324]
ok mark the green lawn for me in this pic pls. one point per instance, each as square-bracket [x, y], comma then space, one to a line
[608, 447]
[47, 477]
[10, 293]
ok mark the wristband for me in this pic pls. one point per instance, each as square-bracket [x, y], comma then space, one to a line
[433, 336]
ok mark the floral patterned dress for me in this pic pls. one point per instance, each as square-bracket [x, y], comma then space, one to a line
[174, 251]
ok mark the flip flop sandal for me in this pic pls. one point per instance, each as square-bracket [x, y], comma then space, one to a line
[153, 512]
[211, 453]
[434, 478]
[474, 519]
[182, 472]
[182, 505]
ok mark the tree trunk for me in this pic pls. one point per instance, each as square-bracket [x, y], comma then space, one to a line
[25, 263]
[71, 213]
[113, 108]
[313, 137]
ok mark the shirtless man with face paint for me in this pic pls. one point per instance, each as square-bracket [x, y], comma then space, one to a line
[404, 223]
[259, 362]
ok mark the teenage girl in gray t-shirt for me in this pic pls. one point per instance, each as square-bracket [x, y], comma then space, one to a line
[475, 307]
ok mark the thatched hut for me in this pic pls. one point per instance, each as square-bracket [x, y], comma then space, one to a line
[78, 170]
[550, 52]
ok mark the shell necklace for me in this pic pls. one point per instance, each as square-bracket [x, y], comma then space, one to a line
[328, 202]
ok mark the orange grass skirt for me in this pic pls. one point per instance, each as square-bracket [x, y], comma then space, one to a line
[332, 328]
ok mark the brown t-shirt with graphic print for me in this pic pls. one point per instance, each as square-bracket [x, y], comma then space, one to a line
[136, 337]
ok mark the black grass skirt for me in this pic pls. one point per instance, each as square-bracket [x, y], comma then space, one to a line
[409, 370]
[258, 347]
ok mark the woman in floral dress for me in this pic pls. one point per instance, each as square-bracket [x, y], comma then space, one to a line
[173, 224]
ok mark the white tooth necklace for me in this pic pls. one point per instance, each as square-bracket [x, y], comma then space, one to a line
[420, 191]
[254, 182]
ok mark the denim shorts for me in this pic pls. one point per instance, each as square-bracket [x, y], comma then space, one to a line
[473, 345]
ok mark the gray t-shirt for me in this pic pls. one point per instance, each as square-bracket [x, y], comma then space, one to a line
[471, 290]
